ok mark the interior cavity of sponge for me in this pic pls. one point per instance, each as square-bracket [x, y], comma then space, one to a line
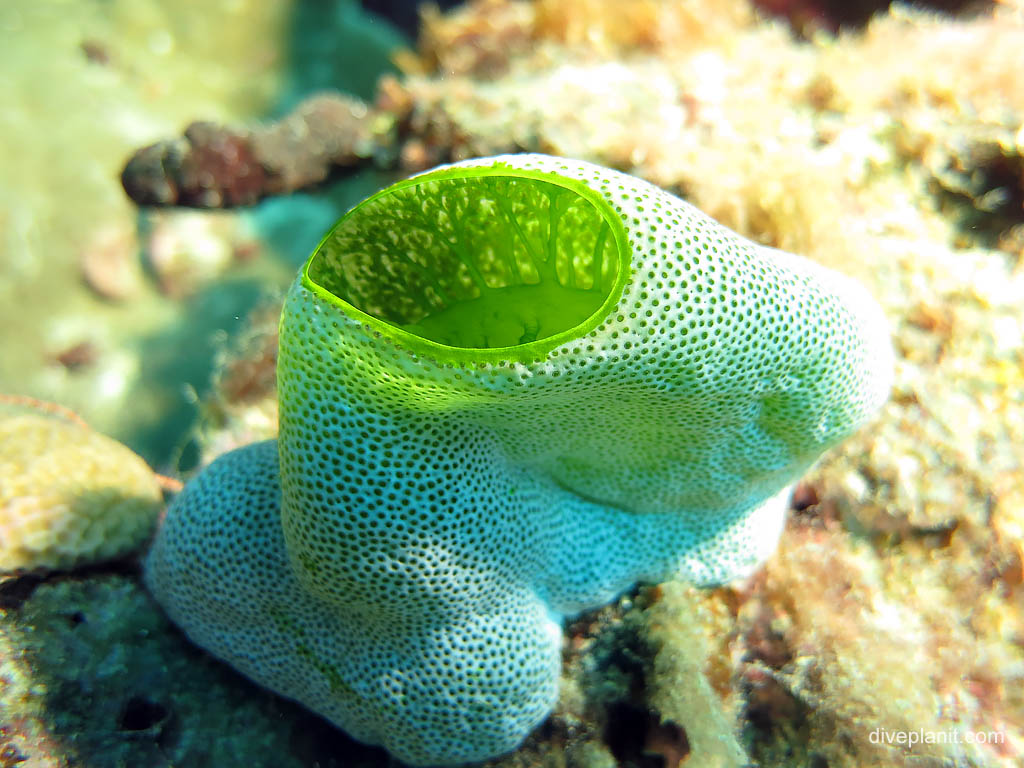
[471, 261]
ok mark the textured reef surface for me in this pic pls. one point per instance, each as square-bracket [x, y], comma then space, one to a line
[893, 153]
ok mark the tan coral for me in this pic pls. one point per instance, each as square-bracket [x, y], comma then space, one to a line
[867, 647]
[69, 496]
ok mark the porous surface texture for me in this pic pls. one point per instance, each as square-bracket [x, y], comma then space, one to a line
[69, 496]
[402, 559]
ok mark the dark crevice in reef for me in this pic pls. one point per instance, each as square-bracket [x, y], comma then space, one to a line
[807, 16]
[315, 742]
[625, 734]
[140, 713]
[637, 737]
[983, 191]
[774, 718]
[404, 14]
[16, 589]
[617, 693]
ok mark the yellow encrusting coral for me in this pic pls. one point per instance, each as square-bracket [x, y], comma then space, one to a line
[69, 496]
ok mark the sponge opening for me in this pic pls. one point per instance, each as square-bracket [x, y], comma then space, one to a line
[479, 260]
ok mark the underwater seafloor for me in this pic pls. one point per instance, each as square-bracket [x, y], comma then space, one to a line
[892, 151]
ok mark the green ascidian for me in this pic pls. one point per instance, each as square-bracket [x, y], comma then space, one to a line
[510, 388]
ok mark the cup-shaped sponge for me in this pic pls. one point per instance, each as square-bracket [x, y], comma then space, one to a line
[509, 389]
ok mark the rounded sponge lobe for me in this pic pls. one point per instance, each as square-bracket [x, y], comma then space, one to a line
[510, 388]
[430, 686]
